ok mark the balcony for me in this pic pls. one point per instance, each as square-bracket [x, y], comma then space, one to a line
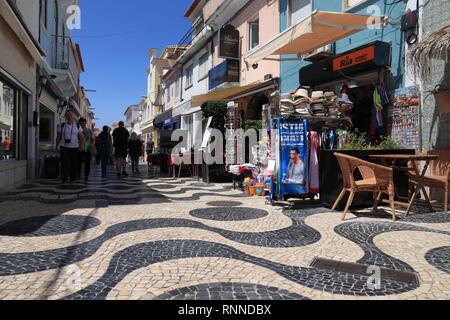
[65, 66]
[226, 73]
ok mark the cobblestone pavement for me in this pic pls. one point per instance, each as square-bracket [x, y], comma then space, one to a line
[165, 239]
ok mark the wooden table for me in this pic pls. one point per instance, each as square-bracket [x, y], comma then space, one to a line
[414, 160]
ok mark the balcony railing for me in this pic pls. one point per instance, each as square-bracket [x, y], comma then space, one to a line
[226, 72]
[64, 58]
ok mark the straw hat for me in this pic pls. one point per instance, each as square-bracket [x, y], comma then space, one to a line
[317, 95]
[301, 93]
[286, 99]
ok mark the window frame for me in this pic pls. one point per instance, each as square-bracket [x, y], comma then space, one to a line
[189, 71]
[14, 135]
[250, 33]
[346, 6]
[202, 66]
[43, 8]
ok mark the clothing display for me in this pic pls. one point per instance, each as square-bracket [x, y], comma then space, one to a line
[314, 177]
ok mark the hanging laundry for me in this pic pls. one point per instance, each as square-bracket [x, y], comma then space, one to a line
[377, 100]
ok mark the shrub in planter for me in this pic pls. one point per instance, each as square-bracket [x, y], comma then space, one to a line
[217, 110]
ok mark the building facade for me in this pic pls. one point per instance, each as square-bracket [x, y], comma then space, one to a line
[20, 57]
[155, 104]
[39, 77]
[133, 117]
[435, 125]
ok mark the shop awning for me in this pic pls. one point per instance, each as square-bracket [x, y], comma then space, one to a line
[226, 94]
[315, 31]
[161, 118]
[192, 111]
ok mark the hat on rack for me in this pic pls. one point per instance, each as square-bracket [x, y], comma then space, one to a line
[317, 95]
[301, 93]
[286, 99]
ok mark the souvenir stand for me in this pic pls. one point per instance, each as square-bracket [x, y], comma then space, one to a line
[306, 123]
[255, 178]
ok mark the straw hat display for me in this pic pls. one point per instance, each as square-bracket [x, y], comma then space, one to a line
[318, 103]
[332, 105]
[295, 103]
[345, 104]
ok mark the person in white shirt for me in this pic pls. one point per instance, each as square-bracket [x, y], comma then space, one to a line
[69, 142]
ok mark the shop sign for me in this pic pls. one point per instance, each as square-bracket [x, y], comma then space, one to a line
[354, 58]
[229, 42]
[293, 146]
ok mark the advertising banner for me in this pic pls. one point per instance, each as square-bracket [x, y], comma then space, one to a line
[294, 155]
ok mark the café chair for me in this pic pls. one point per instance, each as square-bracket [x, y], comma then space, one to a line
[375, 178]
[437, 176]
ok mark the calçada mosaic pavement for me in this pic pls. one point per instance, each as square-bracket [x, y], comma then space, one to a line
[154, 238]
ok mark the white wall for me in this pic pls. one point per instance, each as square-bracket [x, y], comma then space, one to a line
[198, 87]
[30, 13]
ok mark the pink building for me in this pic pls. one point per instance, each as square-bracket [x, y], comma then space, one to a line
[257, 23]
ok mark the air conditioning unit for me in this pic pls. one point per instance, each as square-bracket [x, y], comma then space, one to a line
[320, 54]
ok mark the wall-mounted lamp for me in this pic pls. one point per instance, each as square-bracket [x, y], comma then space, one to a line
[42, 83]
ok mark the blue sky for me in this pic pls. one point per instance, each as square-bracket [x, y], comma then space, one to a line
[115, 37]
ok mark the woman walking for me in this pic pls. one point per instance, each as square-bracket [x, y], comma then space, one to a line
[87, 153]
[135, 149]
[104, 146]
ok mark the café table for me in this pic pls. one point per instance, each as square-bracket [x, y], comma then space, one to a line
[414, 167]
[179, 160]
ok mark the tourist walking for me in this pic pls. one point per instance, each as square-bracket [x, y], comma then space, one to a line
[121, 136]
[104, 147]
[88, 149]
[69, 142]
[135, 151]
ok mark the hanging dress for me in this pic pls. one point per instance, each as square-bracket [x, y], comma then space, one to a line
[314, 179]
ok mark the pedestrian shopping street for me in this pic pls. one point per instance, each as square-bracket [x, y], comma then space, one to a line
[158, 238]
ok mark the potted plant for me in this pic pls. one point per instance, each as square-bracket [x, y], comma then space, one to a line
[217, 172]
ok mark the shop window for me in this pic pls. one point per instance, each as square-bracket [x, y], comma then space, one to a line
[8, 104]
[348, 4]
[203, 66]
[254, 33]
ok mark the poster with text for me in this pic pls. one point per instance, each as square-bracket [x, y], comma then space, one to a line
[294, 155]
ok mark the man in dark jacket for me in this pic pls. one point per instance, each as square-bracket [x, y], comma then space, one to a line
[121, 137]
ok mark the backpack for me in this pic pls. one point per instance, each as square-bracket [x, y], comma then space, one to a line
[102, 143]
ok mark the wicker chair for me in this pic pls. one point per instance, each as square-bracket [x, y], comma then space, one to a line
[438, 174]
[376, 179]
